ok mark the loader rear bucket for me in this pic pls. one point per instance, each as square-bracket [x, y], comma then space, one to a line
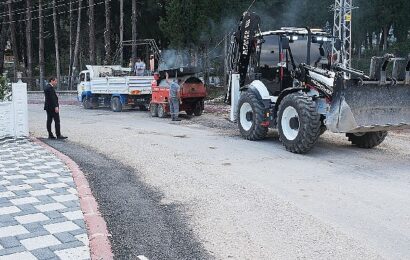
[367, 106]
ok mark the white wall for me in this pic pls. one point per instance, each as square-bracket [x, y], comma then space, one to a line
[14, 114]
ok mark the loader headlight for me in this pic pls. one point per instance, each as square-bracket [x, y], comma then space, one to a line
[293, 37]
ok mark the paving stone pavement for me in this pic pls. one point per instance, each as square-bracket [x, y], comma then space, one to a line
[40, 215]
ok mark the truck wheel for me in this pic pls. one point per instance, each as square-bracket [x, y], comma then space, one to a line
[95, 102]
[198, 110]
[161, 111]
[367, 140]
[87, 103]
[116, 105]
[298, 123]
[154, 110]
[143, 107]
[250, 117]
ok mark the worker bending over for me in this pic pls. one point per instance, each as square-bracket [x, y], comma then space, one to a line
[173, 98]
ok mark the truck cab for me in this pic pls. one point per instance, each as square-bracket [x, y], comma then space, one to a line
[84, 86]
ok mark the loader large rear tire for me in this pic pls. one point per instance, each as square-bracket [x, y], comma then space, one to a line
[367, 140]
[251, 114]
[298, 123]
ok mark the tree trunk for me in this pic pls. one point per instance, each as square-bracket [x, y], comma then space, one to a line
[92, 32]
[29, 27]
[13, 39]
[70, 45]
[134, 31]
[366, 43]
[121, 32]
[371, 40]
[41, 44]
[381, 41]
[385, 37]
[3, 42]
[107, 33]
[55, 23]
[77, 39]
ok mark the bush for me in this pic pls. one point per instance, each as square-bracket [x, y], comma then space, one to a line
[4, 89]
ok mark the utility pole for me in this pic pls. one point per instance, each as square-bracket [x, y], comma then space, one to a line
[13, 39]
[29, 27]
[55, 22]
[121, 32]
[92, 31]
[343, 30]
[77, 39]
[3, 42]
[41, 43]
[70, 66]
[107, 33]
[134, 31]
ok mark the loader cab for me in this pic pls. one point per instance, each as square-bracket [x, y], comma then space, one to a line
[278, 53]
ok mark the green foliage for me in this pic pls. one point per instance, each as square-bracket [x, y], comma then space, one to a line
[4, 88]
[202, 24]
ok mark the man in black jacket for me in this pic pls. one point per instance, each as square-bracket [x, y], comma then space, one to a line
[52, 108]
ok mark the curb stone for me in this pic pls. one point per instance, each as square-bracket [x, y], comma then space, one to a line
[97, 230]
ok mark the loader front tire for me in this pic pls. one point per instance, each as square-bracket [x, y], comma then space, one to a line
[251, 114]
[298, 123]
[367, 140]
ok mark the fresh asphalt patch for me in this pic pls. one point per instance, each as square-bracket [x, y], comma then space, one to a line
[136, 219]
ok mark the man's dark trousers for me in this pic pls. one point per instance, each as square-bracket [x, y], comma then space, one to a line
[50, 106]
[52, 115]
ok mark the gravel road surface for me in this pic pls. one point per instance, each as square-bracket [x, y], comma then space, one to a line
[253, 200]
[138, 222]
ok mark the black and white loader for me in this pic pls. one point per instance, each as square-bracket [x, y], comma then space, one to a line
[285, 79]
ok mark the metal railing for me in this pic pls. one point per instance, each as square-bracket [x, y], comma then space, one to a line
[33, 84]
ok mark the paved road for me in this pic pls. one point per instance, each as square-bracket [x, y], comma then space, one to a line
[254, 200]
[40, 215]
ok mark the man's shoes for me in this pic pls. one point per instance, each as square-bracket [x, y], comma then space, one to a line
[60, 137]
[51, 137]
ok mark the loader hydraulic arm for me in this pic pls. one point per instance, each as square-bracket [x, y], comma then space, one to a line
[244, 45]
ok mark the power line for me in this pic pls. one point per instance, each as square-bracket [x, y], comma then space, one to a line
[251, 5]
[34, 9]
[229, 33]
[25, 8]
[46, 16]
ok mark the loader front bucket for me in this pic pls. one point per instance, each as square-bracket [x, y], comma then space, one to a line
[367, 106]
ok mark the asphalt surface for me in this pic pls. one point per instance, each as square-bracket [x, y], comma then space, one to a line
[137, 220]
[255, 200]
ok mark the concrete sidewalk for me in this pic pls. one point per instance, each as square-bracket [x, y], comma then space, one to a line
[40, 211]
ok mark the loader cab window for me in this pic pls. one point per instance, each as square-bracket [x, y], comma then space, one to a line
[269, 57]
[82, 77]
[87, 77]
[299, 51]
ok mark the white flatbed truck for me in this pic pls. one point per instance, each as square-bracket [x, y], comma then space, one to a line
[112, 86]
